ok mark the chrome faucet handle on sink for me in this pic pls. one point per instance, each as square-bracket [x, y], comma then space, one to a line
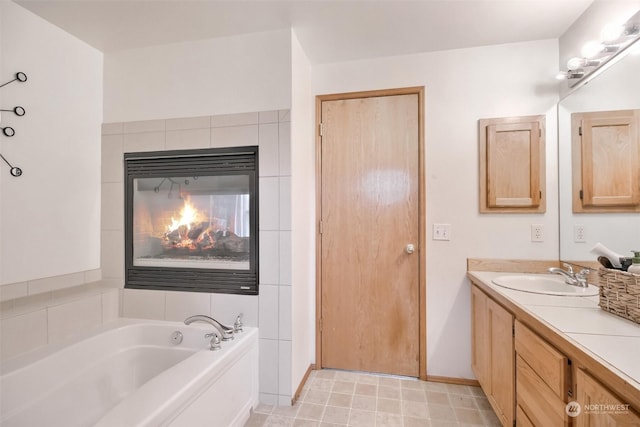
[581, 277]
[568, 267]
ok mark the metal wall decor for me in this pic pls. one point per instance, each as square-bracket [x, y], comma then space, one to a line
[9, 131]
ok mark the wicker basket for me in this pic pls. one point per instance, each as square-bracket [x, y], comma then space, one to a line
[620, 293]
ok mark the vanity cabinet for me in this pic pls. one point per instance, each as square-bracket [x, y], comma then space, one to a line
[492, 353]
[606, 161]
[512, 164]
[531, 371]
[542, 380]
[599, 406]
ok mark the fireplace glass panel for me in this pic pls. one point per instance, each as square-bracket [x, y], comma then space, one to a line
[192, 222]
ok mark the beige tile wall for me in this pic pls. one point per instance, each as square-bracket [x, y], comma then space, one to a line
[271, 310]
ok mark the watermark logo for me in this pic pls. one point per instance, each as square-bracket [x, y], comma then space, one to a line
[573, 409]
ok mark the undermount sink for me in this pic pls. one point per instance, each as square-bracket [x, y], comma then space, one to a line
[544, 284]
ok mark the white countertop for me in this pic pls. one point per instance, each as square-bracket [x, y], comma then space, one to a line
[609, 339]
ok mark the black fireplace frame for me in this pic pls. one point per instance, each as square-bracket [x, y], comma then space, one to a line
[198, 162]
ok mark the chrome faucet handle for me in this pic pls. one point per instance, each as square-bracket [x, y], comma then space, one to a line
[237, 326]
[581, 277]
[215, 341]
[568, 267]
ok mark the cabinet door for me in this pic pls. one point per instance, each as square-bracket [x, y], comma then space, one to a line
[599, 407]
[522, 420]
[492, 353]
[480, 338]
[606, 161]
[501, 361]
[512, 164]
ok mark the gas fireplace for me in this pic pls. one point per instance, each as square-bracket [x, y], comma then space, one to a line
[191, 220]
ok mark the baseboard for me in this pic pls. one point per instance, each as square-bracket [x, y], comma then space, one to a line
[433, 378]
[452, 380]
[296, 396]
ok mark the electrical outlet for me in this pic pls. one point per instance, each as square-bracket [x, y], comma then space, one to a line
[537, 233]
[441, 231]
[579, 234]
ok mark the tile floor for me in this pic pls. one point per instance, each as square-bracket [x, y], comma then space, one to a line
[339, 398]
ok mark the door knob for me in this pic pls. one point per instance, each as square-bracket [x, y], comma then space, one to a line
[410, 248]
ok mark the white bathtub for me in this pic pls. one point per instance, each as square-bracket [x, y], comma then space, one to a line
[132, 374]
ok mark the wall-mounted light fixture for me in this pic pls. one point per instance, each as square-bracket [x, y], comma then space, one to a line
[615, 40]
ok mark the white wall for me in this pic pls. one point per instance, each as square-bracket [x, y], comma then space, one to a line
[303, 213]
[463, 86]
[214, 76]
[50, 216]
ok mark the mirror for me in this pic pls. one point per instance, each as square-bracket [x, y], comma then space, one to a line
[616, 88]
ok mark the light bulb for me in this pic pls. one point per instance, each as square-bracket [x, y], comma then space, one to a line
[591, 49]
[612, 32]
[575, 63]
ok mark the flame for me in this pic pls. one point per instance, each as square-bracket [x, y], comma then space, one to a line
[188, 216]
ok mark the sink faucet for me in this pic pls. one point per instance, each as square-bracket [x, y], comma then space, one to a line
[571, 278]
[226, 332]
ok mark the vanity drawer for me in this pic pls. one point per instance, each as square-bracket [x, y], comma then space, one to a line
[549, 364]
[537, 404]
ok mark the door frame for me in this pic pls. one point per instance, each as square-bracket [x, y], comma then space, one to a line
[422, 279]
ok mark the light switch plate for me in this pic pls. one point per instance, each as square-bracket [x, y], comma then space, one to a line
[441, 231]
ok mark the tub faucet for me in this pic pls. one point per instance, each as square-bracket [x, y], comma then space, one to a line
[571, 278]
[226, 332]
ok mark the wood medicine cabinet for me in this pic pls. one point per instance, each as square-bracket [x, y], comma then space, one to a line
[512, 165]
[605, 156]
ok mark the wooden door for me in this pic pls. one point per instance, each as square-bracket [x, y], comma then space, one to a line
[369, 214]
